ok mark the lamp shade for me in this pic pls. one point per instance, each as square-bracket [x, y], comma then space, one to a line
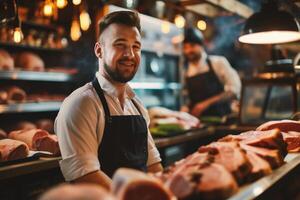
[270, 26]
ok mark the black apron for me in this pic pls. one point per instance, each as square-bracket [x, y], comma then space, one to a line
[203, 86]
[125, 139]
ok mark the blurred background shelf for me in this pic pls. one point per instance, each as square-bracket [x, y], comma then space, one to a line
[37, 76]
[20, 47]
[30, 107]
[34, 25]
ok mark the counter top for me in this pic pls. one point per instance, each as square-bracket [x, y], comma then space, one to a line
[14, 170]
[185, 137]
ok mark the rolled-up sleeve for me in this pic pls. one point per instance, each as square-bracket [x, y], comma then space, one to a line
[228, 76]
[75, 127]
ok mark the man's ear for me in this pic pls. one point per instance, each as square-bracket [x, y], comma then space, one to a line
[98, 50]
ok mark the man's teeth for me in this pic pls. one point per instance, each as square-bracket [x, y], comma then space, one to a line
[127, 63]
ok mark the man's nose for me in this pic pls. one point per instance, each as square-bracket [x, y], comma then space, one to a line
[129, 52]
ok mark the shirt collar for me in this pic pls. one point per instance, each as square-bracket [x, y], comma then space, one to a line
[111, 90]
[202, 61]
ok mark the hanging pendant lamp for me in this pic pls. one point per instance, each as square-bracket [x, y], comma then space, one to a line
[270, 26]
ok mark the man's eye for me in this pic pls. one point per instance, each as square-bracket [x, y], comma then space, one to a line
[136, 47]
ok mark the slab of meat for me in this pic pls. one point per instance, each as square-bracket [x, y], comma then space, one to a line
[179, 166]
[271, 139]
[292, 140]
[3, 96]
[15, 94]
[77, 192]
[273, 157]
[48, 143]
[177, 177]
[30, 61]
[3, 134]
[129, 184]
[45, 124]
[12, 150]
[283, 125]
[6, 61]
[260, 167]
[25, 125]
[202, 181]
[186, 120]
[231, 157]
[30, 137]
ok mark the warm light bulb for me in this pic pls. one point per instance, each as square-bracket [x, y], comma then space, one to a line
[75, 30]
[61, 3]
[201, 24]
[270, 37]
[76, 2]
[48, 9]
[18, 35]
[179, 21]
[165, 27]
[85, 20]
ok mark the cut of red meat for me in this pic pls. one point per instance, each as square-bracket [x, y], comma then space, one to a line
[12, 150]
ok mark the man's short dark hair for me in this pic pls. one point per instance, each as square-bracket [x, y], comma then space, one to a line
[128, 18]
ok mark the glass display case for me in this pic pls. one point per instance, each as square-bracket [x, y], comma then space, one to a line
[265, 99]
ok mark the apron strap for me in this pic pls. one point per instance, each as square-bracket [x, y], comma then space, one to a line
[210, 66]
[137, 107]
[102, 98]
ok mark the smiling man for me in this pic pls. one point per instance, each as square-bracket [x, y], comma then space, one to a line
[103, 126]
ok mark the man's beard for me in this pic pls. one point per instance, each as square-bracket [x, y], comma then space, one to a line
[193, 57]
[116, 75]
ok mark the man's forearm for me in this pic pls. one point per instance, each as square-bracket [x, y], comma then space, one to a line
[97, 177]
[224, 96]
[156, 167]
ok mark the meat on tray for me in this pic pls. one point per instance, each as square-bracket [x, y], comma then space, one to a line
[129, 184]
[45, 124]
[48, 143]
[271, 139]
[6, 61]
[12, 94]
[24, 125]
[260, 167]
[292, 140]
[29, 61]
[12, 150]
[231, 156]
[283, 125]
[272, 156]
[290, 131]
[198, 177]
[37, 139]
[3, 134]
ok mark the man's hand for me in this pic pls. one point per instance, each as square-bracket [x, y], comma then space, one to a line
[184, 109]
[199, 108]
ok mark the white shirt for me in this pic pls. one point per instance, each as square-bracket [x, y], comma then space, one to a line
[223, 70]
[79, 126]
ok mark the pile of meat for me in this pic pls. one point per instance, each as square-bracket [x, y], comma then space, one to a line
[29, 136]
[216, 170]
[15, 94]
[159, 115]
